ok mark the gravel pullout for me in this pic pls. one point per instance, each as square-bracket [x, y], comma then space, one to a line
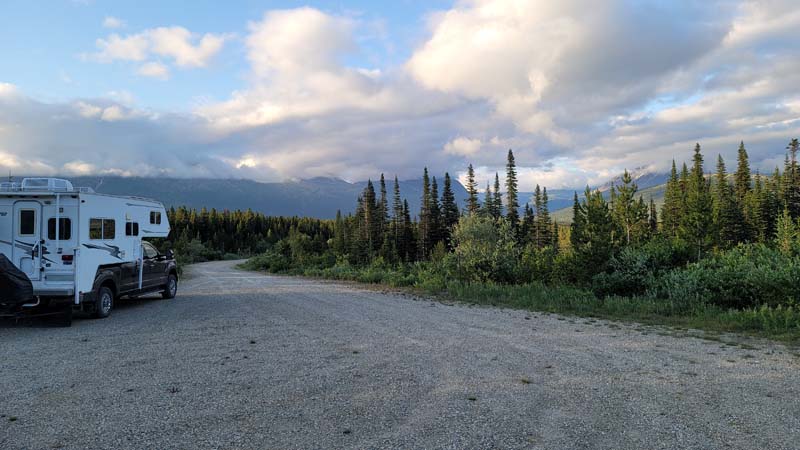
[247, 361]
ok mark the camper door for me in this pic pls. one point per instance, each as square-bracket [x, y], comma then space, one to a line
[27, 254]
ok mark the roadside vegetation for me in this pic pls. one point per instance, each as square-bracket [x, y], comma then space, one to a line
[722, 254]
[212, 235]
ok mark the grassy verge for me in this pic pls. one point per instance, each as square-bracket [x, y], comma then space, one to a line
[776, 323]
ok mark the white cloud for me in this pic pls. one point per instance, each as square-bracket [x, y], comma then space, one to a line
[295, 56]
[175, 44]
[578, 92]
[154, 70]
[8, 90]
[113, 112]
[463, 146]
[115, 47]
[113, 22]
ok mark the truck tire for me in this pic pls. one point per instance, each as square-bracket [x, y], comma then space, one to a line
[105, 302]
[171, 288]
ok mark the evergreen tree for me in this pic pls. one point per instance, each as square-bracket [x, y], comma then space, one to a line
[756, 209]
[488, 203]
[592, 237]
[576, 229]
[450, 214]
[786, 234]
[629, 214]
[544, 217]
[397, 218]
[726, 213]
[339, 246]
[512, 202]
[653, 217]
[497, 201]
[528, 223]
[383, 207]
[673, 206]
[696, 225]
[426, 225]
[791, 181]
[436, 234]
[774, 202]
[542, 227]
[409, 246]
[473, 206]
[742, 181]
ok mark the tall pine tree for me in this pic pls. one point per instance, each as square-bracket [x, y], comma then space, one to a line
[497, 198]
[673, 205]
[726, 213]
[512, 202]
[450, 212]
[696, 225]
[473, 205]
[791, 181]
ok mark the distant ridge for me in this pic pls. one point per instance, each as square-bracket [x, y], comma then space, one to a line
[317, 197]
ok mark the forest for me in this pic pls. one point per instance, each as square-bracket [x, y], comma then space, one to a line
[722, 253]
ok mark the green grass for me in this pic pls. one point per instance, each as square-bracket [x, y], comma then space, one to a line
[776, 323]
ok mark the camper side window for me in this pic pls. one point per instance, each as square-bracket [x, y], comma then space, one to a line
[27, 222]
[64, 229]
[155, 217]
[131, 228]
[101, 229]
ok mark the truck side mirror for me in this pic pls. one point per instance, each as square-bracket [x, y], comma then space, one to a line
[170, 254]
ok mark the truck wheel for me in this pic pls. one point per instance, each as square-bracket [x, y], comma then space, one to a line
[171, 287]
[105, 301]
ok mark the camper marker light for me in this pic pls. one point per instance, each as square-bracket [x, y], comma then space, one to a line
[66, 258]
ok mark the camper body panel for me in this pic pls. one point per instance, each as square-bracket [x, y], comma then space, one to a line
[66, 242]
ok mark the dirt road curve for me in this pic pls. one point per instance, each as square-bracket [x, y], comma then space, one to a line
[248, 361]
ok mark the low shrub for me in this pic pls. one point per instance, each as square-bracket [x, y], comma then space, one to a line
[747, 276]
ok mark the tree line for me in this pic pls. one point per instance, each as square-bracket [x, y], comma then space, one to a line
[702, 214]
[395, 234]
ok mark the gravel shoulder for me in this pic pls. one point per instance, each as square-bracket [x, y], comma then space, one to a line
[241, 360]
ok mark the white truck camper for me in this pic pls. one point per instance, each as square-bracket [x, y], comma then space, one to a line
[81, 249]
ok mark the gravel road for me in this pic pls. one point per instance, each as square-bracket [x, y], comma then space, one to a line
[247, 361]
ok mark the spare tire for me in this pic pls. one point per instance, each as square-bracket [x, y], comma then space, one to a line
[15, 286]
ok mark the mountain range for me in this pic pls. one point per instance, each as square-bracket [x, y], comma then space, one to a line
[319, 197]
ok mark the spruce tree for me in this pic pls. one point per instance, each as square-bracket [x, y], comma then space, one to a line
[537, 235]
[409, 246]
[629, 214]
[542, 227]
[512, 202]
[672, 209]
[791, 183]
[488, 203]
[544, 219]
[528, 223]
[473, 206]
[786, 234]
[425, 220]
[383, 207]
[576, 228]
[450, 214]
[397, 217]
[742, 180]
[339, 238]
[497, 201]
[726, 213]
[653, 217]
[436, 215]
[592, 239]
[696, 225]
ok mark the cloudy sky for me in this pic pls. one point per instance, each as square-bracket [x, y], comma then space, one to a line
[278, 90]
